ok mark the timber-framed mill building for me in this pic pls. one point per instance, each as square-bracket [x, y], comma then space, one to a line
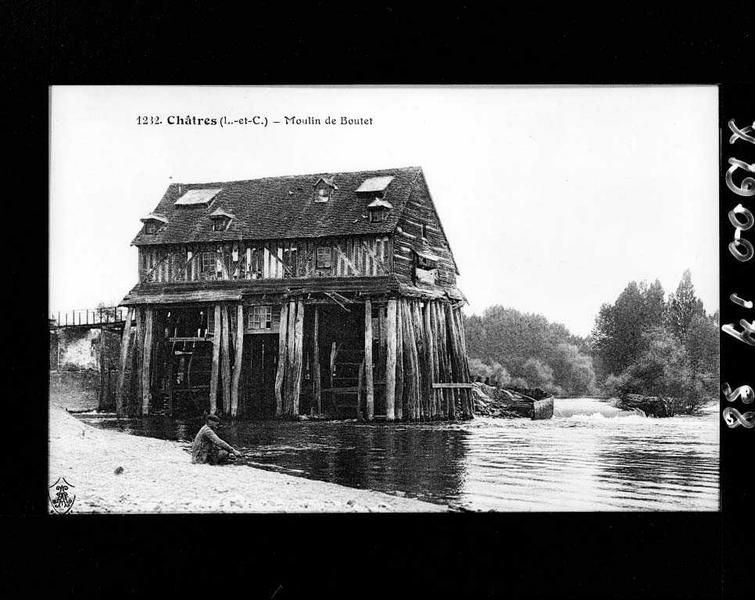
[330, 295]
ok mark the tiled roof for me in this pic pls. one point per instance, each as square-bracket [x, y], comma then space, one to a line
[282, 207]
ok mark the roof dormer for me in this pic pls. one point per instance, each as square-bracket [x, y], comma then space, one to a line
[221, 219]
[323, 189]
[153, 223]
[378, 209]
[198, 197]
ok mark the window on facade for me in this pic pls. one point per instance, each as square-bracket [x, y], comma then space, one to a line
[322, 194]
[289, 260]
[209, 265]
[424, 230]
[219, 224]
[261, 317]
[324, 257]
[151, 227]
[378, 215]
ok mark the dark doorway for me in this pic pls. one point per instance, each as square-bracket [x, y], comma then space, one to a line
[261, 358]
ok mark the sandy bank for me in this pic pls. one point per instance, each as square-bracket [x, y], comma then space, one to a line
[158, 477]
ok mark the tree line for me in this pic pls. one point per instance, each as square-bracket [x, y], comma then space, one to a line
[643, 343]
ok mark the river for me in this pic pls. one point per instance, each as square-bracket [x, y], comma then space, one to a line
[589, 457]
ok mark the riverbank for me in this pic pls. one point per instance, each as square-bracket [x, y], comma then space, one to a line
[113, 472]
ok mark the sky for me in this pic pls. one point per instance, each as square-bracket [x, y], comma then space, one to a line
[552, 198]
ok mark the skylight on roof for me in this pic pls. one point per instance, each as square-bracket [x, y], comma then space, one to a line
[375, 184]
[198, 196]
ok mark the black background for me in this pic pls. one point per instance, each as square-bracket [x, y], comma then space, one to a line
[616, 555]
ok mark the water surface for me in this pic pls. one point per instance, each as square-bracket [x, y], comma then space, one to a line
[589, 457]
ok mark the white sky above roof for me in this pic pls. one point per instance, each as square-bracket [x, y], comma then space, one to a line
[198, 196]
[552, 199]
[375, 184]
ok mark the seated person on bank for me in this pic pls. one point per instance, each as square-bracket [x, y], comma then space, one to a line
[208, 447]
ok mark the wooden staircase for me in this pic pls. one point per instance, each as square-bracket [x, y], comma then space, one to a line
[346, 373]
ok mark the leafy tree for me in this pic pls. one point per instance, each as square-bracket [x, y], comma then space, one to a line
[682, 307]
[512, 339]
[617, 337]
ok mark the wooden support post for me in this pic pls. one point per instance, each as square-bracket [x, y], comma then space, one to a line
[464, 360]
[279, 375]
[288, 403]
[430, 349]
[421, 362]
[135, 400]
[446, 374]
[225, 359]
[411, 381]
[147, 360]
[368, 372]
[316, 383]
[298, 362]
[238, 360]
[456, 352]
[215, 360]
[400, 396]
[390, 361]
[103, 383]
[124, 360]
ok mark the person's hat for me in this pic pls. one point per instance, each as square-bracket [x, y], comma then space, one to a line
[214, 418]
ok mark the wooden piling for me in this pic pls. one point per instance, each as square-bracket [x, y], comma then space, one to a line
[102, 399]
[297, 362]
[316, 383]
[368, 372]
[238, 360]
[390, 361]
[400, 396]
[225, 359]
[279, 374]
[421, 360]
[124, 359]
[411, 380]
[135, 399]
[147, 360]
[215, 360]
[288, 381]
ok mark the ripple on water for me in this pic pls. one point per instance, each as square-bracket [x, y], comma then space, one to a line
[593, 457]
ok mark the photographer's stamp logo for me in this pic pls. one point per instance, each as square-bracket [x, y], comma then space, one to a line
[61, 498]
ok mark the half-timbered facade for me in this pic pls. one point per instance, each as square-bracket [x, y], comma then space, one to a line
[328, 294]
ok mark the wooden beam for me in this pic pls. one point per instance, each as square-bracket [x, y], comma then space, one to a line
[238, 360]
[390, 361]
[316, 383]
[346, 259]
[279, 375]
[368, 373]
[124, 359]
[378, 261]
[452, 386]
[298, 357]
[147, 360]
[225, 359]
[215, 360]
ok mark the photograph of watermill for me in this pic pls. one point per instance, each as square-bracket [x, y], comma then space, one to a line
[394, 299]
